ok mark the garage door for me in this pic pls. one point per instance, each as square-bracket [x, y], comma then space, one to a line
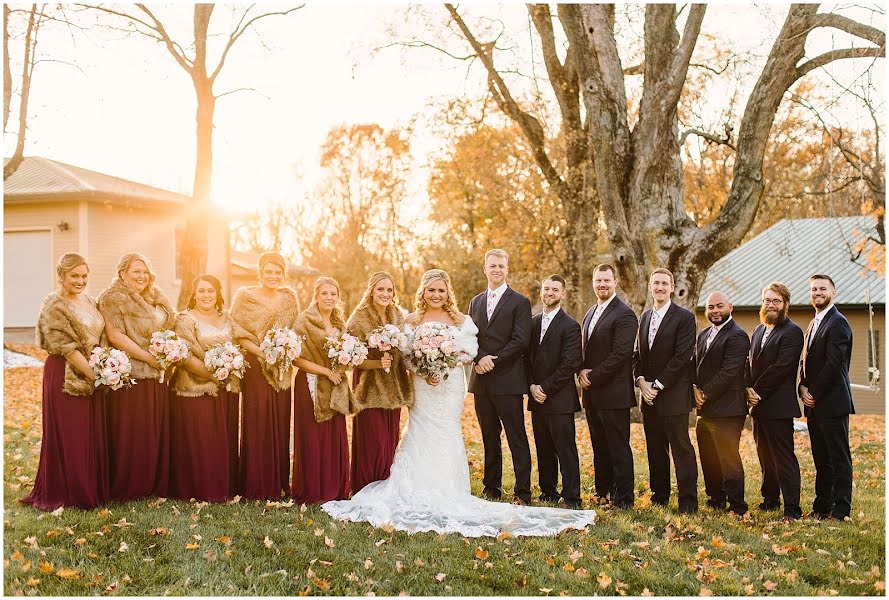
[27, 275]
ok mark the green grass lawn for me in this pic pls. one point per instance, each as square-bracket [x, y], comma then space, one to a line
[156, 547]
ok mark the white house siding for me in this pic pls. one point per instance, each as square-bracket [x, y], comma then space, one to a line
[46, 215]
[115, 230]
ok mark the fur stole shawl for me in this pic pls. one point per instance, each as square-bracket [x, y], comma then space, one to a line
[252, 316]
[329, 400]
[134, 314]
[61, 331]
[186, 383]
[375, 387]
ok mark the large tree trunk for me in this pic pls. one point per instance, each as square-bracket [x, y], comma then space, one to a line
[193, 255]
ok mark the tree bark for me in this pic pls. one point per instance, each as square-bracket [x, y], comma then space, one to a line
[7, 71]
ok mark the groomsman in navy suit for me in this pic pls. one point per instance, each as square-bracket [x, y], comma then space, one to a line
[606, 377]
[498, 380]
[552, 360]
[662, 366]
[771, 372]
[827, 396]
[721, 400]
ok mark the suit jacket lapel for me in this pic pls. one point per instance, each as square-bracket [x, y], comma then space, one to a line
[536, 326]
[583, 332]
[644, 324]
[756, 344]
[482, 310]
[551, 325]
[500, 303]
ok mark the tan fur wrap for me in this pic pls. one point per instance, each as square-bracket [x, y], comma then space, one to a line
[60, 332]
[376, 388]
[186, 383]
[252, 316]
[330, 400]
[133, 313]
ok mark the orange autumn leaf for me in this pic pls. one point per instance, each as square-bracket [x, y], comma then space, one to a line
[68, 573]
[480, 553]
[604, 580]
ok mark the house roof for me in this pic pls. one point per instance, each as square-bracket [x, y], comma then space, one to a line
[40, 179]
[244, 264]
[792, 250]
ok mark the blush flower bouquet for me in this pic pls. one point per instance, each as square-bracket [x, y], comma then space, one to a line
[112, 367]
[168, 348]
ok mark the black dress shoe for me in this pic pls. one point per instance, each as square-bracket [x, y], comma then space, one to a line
[768, 506]
[574, 504]
[716, 505]
[549, 499]
[688, 510]
[818, 515]
[491, 494]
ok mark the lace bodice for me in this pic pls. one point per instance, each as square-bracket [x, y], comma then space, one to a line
[428, 488]
[210, 335]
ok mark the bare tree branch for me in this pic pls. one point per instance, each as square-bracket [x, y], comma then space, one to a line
[174, 48]
[714, 139]
[832, 55]
[871, 34]
[242, 89]
[422, 44]
[239, 30]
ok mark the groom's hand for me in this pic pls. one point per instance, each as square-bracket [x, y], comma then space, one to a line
[485, 365]
[537, 393]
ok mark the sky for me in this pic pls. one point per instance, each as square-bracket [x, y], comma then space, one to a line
[119, 104]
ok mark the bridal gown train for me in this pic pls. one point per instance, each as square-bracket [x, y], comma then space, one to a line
[428, 486]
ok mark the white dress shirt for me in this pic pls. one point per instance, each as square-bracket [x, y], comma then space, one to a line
[597, 314]
[661, 313]
[490, 305]
[819, 316]
[546, 320]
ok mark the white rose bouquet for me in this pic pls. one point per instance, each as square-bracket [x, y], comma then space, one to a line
[227, 364]
[281, 347]
[345, 350]
[386, 338]
[112, 367]
[168, 348]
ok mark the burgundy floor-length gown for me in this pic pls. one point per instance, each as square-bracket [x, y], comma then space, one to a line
[139, 440]
[73, 469]
[265, 437]
[320, 451]
[375, 435]
[200, 447]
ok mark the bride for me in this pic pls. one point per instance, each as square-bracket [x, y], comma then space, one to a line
[428, 487]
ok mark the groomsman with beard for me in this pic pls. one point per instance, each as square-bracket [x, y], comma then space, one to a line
[662, 366]
[498, 381]
[553, 358]
[771, 372]
[827, 396]
[606, 377]
[721, 400]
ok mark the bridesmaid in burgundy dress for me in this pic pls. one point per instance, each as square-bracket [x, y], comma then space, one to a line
[73, 470]
[379, 396]
[265, 422]
[138, 417]
[201, 460]
[322, 399]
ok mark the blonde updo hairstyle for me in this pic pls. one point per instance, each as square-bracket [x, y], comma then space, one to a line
[337, 317]
[127, 259]
[450, 306]
[367, 297]
[68, 262]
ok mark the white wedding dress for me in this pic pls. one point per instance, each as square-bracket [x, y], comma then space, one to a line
[428, 486]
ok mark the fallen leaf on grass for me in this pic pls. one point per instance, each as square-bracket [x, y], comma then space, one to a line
[504, 535]
[123, 547]
[702, 553]
[33, 581]
[45, 567]
[782, 550]
[192, 546]
[604, 580]
[31, 541]
[368, 563]
[322, 584]
[68, 574]
[880, 586]
[328, 542]
[646, 592]
[581, 573]
[79, 541]
[224, 540]
[440, 577]
[158, 531]
[717, 542]
[210, 555]
[705, 592]
[575, 556]
[569, 567]
[769, 585]
[480, 553]
[267, 542]
[58, 512]
[399, 567]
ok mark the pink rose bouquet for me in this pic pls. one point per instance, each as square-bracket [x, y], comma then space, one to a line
[432, 350]
[345, 350]
[112, 367]
[227, 364]
[281, 347]
[168, 348]
[386, 338]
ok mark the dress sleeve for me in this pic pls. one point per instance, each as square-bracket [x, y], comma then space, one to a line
[467, 338]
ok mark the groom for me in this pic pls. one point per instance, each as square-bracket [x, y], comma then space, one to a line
[498, 381]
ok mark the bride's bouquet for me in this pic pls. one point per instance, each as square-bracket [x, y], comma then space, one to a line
[386, 338]
[112, 367]
[281, 347]
[345, 349]
[432, 350]
[168, 349]
[227, 364]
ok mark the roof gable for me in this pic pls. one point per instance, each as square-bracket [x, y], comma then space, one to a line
[42, 179]
[792, 250]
